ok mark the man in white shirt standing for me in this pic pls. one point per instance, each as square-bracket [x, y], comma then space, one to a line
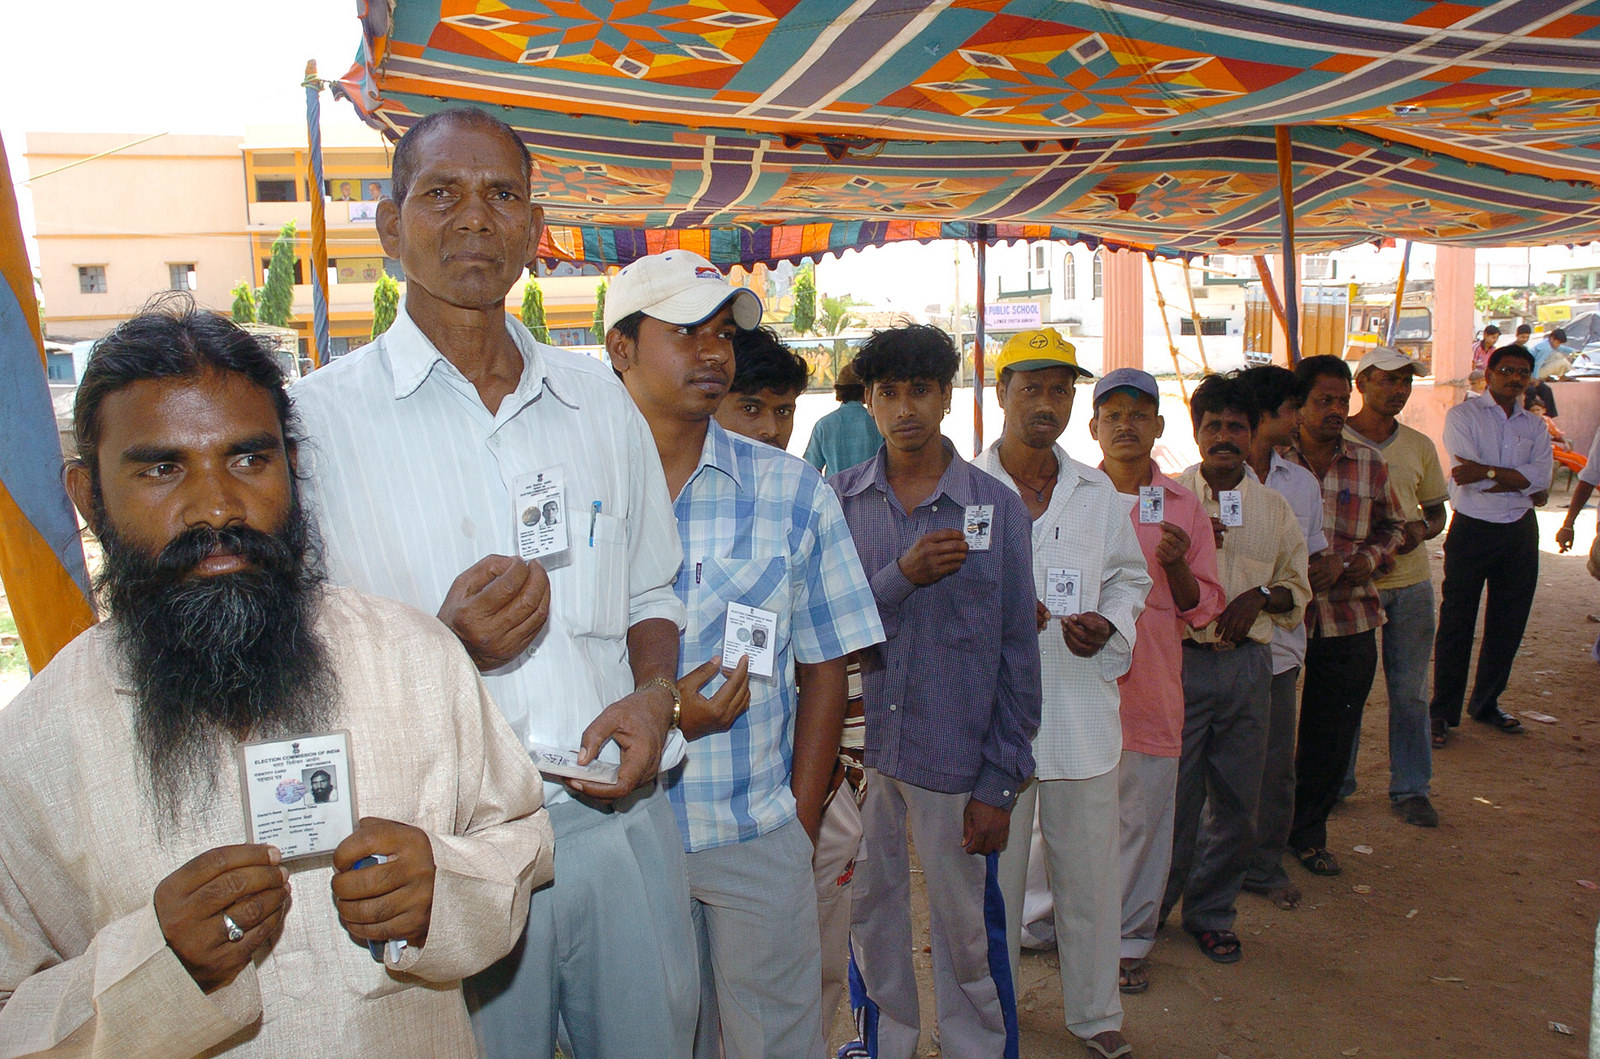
[1500, 466]
[1405, 590]
[1278, 395]
[1090, 573]
[425, 449]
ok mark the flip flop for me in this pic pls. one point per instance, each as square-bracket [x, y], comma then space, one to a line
[1441, 732]
[1221, 945]
[1318, 862]
[1501, 720]
[1108, 1044]
[1132, 976]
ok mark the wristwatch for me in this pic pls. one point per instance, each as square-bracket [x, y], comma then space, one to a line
[677, 699]
[1265, 591]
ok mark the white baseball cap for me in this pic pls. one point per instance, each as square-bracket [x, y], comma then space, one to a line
[1387, 358]
[677, 287]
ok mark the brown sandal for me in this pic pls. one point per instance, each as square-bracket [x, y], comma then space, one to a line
[1132, 976]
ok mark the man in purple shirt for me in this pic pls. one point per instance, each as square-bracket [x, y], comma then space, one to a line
[952, 702]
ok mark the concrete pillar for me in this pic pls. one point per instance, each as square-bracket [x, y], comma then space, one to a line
[1123, 279]
[1454, 315]
[1280, 338]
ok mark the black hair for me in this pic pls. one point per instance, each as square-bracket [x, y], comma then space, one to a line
[1323, 366]
[170, 338]
[1558, 334]
[1509, 351]
[628, 326]
[849, 391]
[405, 161]
[1271, 385]
[762, 362]
[1491, 327]
[1524, 329]
[1223, 393]
[915, 351]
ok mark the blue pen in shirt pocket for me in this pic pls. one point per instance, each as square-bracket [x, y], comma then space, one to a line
[594, 513]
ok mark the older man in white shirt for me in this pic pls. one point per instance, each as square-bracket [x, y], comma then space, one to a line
[1091, 575]
[426, 450]
[1500, 458]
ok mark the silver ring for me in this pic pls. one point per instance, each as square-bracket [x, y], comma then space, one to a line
[235, 931]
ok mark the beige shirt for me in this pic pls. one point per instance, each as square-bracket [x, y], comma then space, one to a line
[1419, 482]
[1268, 550]
[83, 963]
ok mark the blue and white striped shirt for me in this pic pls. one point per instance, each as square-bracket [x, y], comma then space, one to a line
[759, 527]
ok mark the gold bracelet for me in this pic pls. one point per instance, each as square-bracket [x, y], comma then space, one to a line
[672, 689]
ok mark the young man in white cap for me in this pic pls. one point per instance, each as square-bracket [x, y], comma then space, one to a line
[1181, 556]
[1405, 590]
[1090, 578]
[425, 449]
[773, 592]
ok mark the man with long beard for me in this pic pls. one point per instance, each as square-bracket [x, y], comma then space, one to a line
[133, 919]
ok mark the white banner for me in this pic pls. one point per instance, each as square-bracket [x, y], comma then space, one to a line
[1011, 316]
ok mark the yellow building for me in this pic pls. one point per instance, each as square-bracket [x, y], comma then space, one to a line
[201, 213]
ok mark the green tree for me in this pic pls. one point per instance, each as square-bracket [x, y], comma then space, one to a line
[836, 315]
[600, 312]
[385, 303]
[805, 299]
[244, 303]
[276, 304]
[533, 311]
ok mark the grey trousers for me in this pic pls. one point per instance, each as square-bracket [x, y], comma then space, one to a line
[1145, 786]
[1275, 811]
[608, 944]
[1079, 824]
[1227, 698]
[754, 909]
[966, 996]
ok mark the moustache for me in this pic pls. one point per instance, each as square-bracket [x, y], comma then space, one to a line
[1225, 446]
[193, 546]
[1043, 420]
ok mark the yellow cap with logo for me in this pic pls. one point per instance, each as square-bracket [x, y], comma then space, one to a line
[1043, 348]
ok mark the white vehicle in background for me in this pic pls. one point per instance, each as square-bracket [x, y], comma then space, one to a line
[284, 344]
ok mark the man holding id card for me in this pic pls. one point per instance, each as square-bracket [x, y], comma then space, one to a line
[1227, 667]
[1091, 576]
[236, 732]
[436, 454]
[773, 592]
[952, 699]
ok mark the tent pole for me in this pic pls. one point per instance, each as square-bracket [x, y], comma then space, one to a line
[977, 342]
[1399, 293]
[1194, 314]
[1161, 305]
[319, 222]
[1291, 279]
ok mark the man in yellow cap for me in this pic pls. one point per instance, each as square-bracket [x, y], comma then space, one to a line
[1090, 577]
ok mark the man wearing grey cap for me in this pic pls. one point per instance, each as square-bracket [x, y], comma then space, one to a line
[1405, 590]
[767, 563]
[425, 448]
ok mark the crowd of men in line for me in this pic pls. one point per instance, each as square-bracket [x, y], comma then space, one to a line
[753, 688]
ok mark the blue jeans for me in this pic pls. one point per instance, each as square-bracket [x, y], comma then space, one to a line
[1407, 652]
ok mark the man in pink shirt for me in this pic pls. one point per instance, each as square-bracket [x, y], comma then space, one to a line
[1175, 535]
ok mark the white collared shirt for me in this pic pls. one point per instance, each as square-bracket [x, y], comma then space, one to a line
[1304, 493]
[1481, 431]
[410, 479]
[1085, 528]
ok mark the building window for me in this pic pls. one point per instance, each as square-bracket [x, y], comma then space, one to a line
[1217, 325]
[271, 190]
[1069, 276]
[1098, 278]
[181, 276]
[91, 279]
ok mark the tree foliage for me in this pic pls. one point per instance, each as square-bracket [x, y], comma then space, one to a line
[600, 312]
[244, 303]
[805, 299]
[533, 311]
[385, 303]
[836, 316]
[276, 303]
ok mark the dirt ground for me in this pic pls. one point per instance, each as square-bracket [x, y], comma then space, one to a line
[1468, 940]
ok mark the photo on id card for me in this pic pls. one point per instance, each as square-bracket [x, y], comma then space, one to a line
[299, 793]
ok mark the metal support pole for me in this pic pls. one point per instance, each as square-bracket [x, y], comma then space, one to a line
[1291, 279]
[319, 222]
[977, 341]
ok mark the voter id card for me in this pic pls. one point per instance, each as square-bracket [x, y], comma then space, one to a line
[539, 506]
[553, 761]
[976, 525]
[1062, 591]
[298, 793]
[1152, 505]
[1231, 501]
[750, 632]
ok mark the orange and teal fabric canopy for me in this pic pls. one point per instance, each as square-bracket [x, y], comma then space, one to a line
[769, 129]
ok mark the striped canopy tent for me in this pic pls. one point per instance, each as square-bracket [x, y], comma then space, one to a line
[761, 130]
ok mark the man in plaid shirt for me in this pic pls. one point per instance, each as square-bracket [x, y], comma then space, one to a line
[759, 530]
[1363, 522]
